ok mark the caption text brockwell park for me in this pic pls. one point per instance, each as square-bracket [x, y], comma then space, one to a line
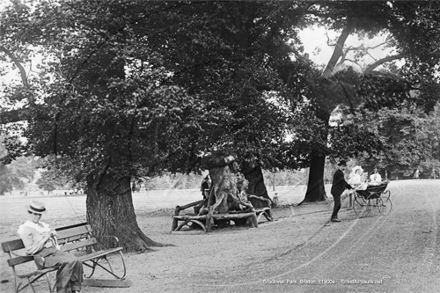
[321, 282]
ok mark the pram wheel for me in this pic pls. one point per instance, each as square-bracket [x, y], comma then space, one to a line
[360, 205]
[387, 205]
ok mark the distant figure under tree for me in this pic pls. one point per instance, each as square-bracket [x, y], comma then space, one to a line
[205, 186]
[416, 174]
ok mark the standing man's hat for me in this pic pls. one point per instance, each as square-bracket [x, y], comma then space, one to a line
[342, 163]
[36, 207]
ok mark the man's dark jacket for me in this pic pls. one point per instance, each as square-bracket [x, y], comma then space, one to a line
[339, 184]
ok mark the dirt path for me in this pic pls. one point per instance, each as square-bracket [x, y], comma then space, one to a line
[300, 252]
[398, 253]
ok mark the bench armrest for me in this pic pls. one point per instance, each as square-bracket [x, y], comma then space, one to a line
[192, 204]
[115, 240]
[260, 198]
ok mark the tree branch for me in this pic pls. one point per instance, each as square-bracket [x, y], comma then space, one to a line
[12, 116]
[18, 64]
[338, 51]
[373, 66]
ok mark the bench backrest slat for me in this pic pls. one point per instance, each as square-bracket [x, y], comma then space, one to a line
[79, 244]
[71, 226]
[73, 232]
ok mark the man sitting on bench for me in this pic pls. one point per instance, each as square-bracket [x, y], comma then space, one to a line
[41, 242]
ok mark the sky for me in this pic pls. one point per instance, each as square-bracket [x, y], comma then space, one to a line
[315, 44]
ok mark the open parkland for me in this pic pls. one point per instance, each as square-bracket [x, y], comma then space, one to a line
[301, 251]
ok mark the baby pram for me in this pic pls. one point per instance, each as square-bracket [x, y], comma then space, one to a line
[373, 200]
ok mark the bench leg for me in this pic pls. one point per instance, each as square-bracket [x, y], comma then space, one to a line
[174, 225]
[259, 216]
[255, 220]
[15, 284]
[94, 263]
[181, 225]
[200, 224]
[21, 288]
[92, 266]
[51, 288]
[30, 284]
[175, 221]
[209, 219]
[268, 215]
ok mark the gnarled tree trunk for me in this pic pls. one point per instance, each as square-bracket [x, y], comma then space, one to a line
[110, 212]
[224, 182]
[256, 185]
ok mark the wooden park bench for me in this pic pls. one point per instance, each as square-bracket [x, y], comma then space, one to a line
[204, 221]
[77, 239]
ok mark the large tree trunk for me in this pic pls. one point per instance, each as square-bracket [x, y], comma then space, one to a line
[256, 185]
[110, 212]
[315, 187]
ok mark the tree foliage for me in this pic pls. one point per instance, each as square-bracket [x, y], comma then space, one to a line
[17, 173]
[410, 138]
[156, 69]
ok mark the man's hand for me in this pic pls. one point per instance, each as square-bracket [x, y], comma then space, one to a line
[46, 236]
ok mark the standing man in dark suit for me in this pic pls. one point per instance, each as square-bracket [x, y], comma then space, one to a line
[338, 186]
